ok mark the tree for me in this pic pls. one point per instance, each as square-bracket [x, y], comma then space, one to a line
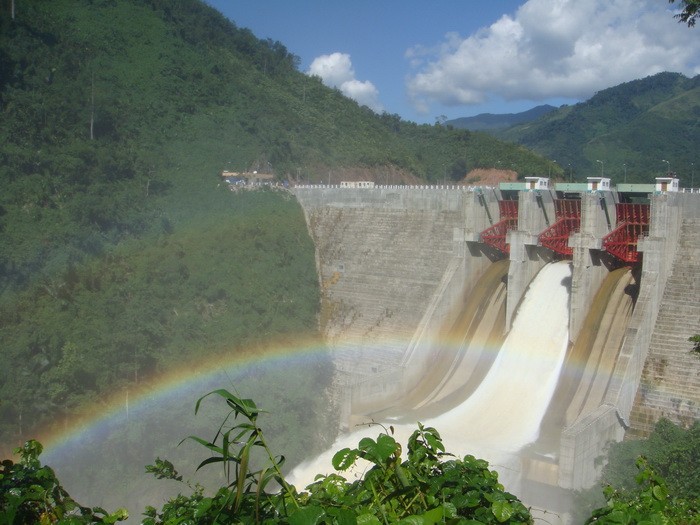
[689, 13]
[651, 504]
[696, 343]
[31, 493]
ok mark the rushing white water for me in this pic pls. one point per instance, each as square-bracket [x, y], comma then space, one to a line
[504, 413]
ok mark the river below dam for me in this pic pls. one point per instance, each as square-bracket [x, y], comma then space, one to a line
[504, 413]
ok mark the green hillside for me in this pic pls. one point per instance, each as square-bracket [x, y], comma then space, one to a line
[630, 128]
[121, 254]
[118, 114]
[495, 122]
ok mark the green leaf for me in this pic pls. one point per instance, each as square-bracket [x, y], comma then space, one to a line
[202, 508]
[368, 519]
[378, 451]
[344, 459]
[449, 510]
[415, 520]
[502, 510]
[434, 442]
[469, 500]
[242, 473]
[654, 519]
[345, 517]
[307, 516]
[246, 407]
[386, 447]
[119, 515]
[659, 492]
[434, 516]
[618, 517]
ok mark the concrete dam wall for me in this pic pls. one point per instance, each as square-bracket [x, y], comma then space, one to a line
[392, 268]
[397, 265]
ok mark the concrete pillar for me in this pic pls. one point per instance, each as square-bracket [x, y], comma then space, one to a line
[535, 213]
[591, 265]
[480, 212]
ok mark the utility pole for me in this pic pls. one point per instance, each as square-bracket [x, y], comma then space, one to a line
[692, 175]
[668, 173]
[92, 106]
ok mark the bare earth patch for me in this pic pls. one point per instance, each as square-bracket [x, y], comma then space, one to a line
[489, 177]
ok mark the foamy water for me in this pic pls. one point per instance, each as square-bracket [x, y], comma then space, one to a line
[504, 413]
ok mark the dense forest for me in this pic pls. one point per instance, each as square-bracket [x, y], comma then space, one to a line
[117, 116]
[632, 129]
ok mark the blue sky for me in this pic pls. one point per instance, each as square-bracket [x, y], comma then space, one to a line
[459, 58]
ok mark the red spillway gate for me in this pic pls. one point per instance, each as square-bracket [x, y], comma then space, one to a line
[632, 221]
[496, 235]
[568, 220]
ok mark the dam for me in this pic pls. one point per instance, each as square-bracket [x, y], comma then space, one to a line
[421, 285]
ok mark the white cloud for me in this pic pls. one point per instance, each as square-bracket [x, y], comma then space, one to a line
[554, 49]
[336, 70]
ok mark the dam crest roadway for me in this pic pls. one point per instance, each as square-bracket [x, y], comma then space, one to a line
[421, 286]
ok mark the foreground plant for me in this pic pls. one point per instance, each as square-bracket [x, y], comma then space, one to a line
[428, 487]
[431, 486]
[653, 505]
[31, 493]
[234, 448]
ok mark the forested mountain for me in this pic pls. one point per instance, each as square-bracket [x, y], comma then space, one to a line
[630, 129]
[120, 253]
[113, 110]
[492, 122]
[120, 258]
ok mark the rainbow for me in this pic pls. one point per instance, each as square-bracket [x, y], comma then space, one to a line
[185, 383]
[127, 429]
[99, 454]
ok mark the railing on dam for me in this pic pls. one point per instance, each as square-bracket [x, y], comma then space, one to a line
[520, 186]
[452, 187]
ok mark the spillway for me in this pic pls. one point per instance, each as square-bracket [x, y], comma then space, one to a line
[457, 369]
[589, 365]
[504, 412]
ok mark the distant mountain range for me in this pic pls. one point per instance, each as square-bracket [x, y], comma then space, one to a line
[631, 132]
[492, 121]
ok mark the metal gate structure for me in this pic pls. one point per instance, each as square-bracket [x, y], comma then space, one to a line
[568, 220]
[632, 221]
[495, 235]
